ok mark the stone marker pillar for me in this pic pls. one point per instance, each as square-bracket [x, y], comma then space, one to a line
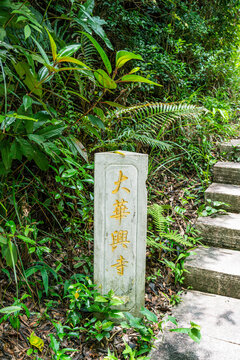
[120, 225]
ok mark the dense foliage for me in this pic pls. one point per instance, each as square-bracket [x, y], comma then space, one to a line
[82, 76]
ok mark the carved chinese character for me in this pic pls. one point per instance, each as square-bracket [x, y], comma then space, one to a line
[119, 238]
[121, 263]
[120, 210]
[118, 183]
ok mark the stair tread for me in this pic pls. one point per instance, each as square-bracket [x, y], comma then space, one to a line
[227, 189]
[227, 164]
[219, 318]
[226, 221]
[219, 260]
[231, 143]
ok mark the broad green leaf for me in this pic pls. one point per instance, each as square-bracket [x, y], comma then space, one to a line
[79, 146]
[137, 78]
[107, 325]
[123, 56]
[99, 337]
[93, 131]
[100, 298]
[195, 335]
[2, 34]
[99, 113]
[6, 155]
[94, 23]
[42, 52]
[26, 239]
[89, 6]
[116, 301]
[72, 60]
[104, 80]
[101, 52]
[27, 31]
[10, 309]
[69, 50]
[149, 315]
[54, 344]
[3, 240]
[44, 275]
[12, 226]
[36, 341]
[28, 78]
[69, 69]
[27, 102]
[96, 121]
[134, 70]
[53, 45]
[26, 147]
[114, 104]
[51, 131]
[23, 117]
[36, 138]
[9, 252]
[41, 160]
[172, 319]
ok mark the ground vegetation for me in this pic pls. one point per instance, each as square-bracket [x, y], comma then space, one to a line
[77, 77]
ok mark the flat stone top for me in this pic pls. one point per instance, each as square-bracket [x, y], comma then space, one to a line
[215, 259]
[219, 318]
[227, 165]
[231, 143]
[224, 189]
[228, 221]
[120, 153]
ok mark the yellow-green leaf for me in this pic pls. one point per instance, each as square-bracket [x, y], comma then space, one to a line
[101, 52]
[123, 56]
[134, 70]
[53, 46]
[36, 341]
[104, 80]
[72, 60]
[137, 78]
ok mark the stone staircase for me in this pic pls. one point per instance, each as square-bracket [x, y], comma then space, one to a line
[216, 269]
[214, 275]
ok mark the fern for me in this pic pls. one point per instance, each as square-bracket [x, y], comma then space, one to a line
[154, 114]
[151, 120]
[161, 222]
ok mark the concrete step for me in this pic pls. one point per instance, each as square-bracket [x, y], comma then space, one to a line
[226, 193]
[232, 146]
[220, 231]
[219, 318]
[214, 270]
[227, 172]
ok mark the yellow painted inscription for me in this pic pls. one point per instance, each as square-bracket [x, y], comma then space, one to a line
[119, 238]
[120, 210]
[121, 178]
[121, 263]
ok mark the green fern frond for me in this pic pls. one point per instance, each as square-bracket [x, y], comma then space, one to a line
[88, 52]
[157, 113]
[147, 140]
[157, 244]
[159, 220]
[177, 238]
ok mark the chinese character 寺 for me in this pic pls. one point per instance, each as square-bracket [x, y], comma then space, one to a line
[120, 210]
[118, 183]
[119, 238]
[121, 262]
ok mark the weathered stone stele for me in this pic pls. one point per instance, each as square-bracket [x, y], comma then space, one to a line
[120, 225]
